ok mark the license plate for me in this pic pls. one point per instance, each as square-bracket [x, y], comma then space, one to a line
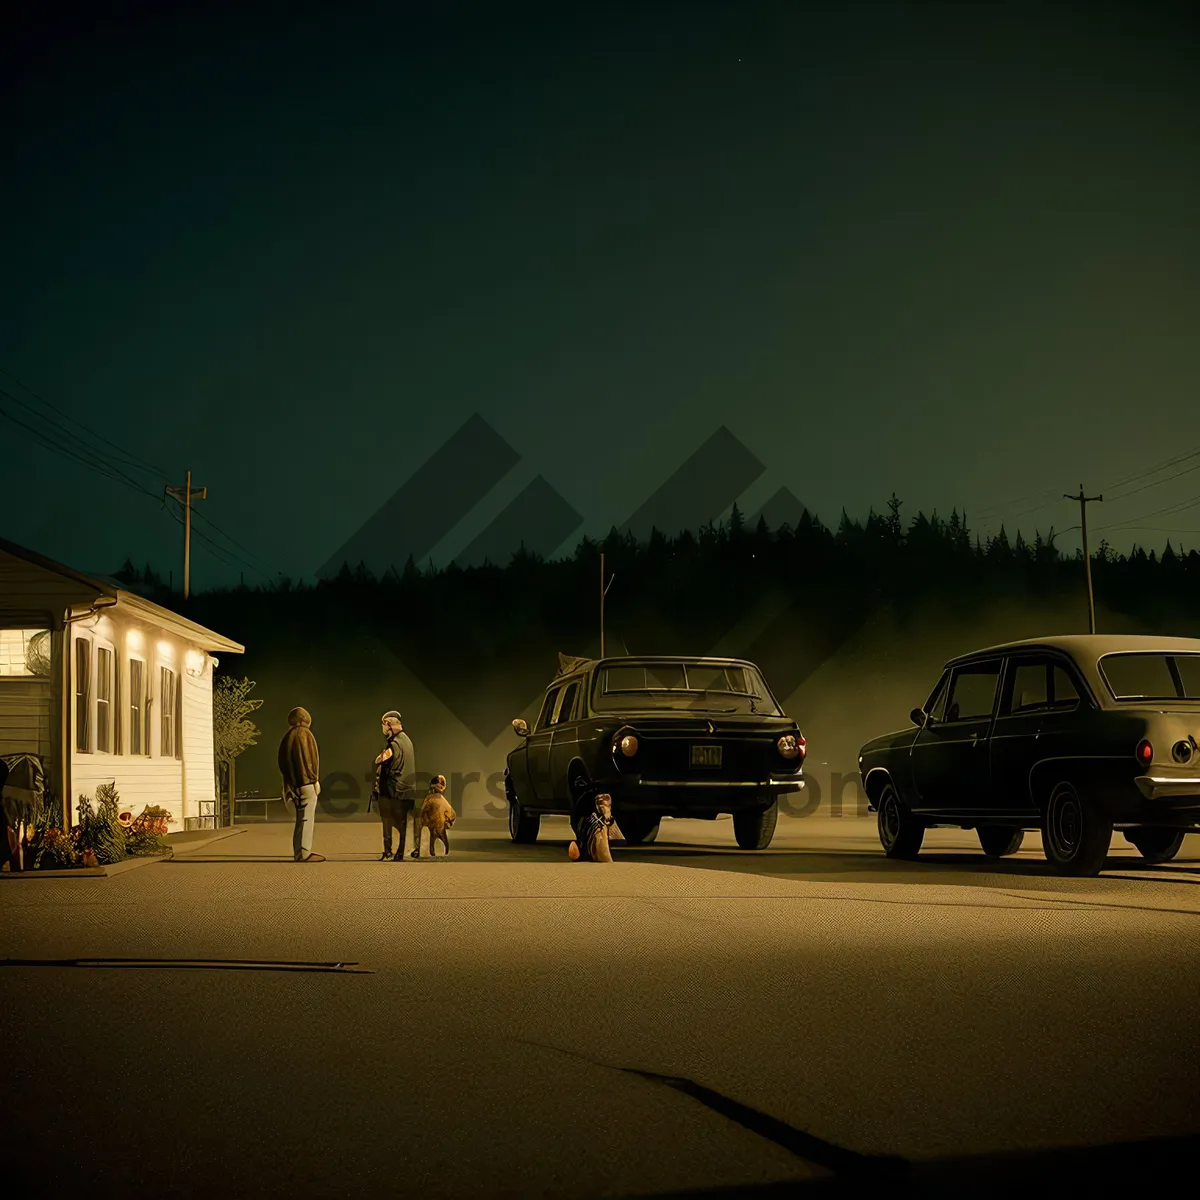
[706, 756]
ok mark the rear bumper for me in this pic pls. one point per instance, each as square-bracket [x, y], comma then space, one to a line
[700, 797]
[776, 783]
[1184, 789]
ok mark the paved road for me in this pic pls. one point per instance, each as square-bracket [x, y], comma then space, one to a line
[952, 1006]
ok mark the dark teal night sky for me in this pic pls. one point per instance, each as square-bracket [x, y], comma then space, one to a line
[944, 249]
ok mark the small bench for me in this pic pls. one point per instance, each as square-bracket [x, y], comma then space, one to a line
[263, 800]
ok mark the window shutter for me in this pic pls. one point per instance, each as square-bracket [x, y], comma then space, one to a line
[118, 717]
[82, 694]
[179, 716]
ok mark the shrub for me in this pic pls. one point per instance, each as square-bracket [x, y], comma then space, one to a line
[100, 828]
[144, 835]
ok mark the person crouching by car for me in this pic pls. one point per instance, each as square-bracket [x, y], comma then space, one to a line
[396, 785]
[300, 767]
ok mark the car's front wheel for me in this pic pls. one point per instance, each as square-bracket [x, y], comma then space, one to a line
[523, 827]
[754, 830]
[900, 833]
[999, 841]
[1075, 836]
[1156, 845]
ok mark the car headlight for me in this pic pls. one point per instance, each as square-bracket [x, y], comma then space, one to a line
[791, 745]
[628, 745]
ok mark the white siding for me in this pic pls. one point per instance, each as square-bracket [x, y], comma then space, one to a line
[177, 784]
[199, 778]
[25, 708]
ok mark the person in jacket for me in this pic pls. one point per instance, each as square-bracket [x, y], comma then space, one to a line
[396, 785]
[299, 764]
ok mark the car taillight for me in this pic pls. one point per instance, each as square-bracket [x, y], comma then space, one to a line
[1144, 752]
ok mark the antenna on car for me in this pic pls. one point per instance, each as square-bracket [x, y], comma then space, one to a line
[603, 592]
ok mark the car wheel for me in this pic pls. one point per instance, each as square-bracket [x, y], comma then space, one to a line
[900, 833]
[1075, 837]
[638, 830]
[523, 827]
[999, 841]
[1156, 845]
[754, 830]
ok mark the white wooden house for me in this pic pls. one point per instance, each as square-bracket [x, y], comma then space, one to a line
[106, 686]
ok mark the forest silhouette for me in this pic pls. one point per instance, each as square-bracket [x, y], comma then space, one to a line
[504, 624]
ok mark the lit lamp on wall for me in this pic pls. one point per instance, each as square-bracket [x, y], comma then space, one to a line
[195, 662]
[134, 640]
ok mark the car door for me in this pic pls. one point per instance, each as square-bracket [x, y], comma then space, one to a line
[564, 743]
[950, 756]
[537, 747]
[1013, 749]
[1058, 731]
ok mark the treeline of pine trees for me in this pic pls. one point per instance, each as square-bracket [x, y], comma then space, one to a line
[671, 591]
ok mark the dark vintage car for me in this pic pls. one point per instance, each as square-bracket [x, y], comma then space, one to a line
[666, 736]
[1074, 736]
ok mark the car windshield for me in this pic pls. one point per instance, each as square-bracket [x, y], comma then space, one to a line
[1152, 676]
[682, 686]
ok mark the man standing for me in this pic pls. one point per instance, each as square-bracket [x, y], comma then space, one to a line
[300, 767]
[396, 786]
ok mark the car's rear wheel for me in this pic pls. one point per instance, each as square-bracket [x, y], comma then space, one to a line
[1075, 836]
[523, 827]
[900, 833]
[638, 829]
[1156, 845]
[999, 841]
[754, 830]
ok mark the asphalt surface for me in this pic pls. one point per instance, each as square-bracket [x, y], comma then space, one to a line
[691, 1016]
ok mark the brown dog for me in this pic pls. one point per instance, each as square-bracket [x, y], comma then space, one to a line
[595, 829]
[436, 815]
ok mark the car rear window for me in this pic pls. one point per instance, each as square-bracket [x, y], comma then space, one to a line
[1152, 676]
[725, 687]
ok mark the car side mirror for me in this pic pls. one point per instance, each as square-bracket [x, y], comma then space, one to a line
[918, 717]
[521, 729]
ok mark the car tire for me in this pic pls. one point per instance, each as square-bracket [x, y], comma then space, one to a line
[1156, 845]
[900, 833]
[754, 830]
[638, 830]
[999, 841]
[1075, 836]
[523, 827]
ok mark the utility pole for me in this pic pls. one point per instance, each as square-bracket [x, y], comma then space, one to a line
[1084, 501]
[186, 495]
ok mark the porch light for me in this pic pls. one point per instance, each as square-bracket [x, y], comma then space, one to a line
[134, 640]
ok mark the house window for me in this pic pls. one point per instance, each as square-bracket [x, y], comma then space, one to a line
[167, 744]
[104, 699]
[138, 739]
[83, 694]
[25, 652]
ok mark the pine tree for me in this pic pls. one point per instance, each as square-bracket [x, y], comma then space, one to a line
[737, 522]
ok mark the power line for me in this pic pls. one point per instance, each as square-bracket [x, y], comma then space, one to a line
[91, 458]
[1169, 509]
[132, 460]
[91, 464]
[95, 460]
